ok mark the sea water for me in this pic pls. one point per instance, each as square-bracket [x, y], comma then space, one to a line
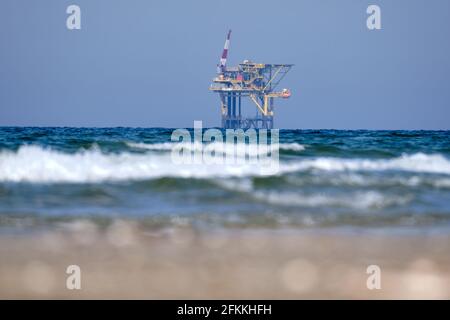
[326, 178]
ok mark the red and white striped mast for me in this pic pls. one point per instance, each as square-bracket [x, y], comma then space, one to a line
[221, 67]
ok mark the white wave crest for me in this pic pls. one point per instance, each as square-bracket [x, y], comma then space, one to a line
[292, 146]
[358, 200]
[239, 149]
[361, 179]
[418, 162]
[36, 164]
[151, 146]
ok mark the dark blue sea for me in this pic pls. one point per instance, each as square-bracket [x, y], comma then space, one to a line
[326, 178]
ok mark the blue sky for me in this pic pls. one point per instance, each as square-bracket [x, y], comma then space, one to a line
[149, 63]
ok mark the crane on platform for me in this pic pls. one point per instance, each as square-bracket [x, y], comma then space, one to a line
[221, 67]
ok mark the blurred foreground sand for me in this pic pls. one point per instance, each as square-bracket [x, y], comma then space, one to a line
[126, 260]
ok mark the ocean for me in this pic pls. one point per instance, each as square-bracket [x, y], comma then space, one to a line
[326, 179]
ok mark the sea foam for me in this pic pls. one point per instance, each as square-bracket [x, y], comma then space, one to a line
[419, 162]
[36, 164]
[240, 149]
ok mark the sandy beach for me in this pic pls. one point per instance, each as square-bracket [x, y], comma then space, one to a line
[127, 260]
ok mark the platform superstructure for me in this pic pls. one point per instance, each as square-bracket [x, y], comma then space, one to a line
[254, 81]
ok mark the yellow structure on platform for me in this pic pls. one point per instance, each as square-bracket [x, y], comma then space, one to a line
[256, 81]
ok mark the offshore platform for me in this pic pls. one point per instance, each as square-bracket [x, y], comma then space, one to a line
[256, 81]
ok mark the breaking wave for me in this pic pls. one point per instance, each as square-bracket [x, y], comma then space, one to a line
[418, 162]
[219, 147]
[358, 200]
[370, 199]
[36, 164]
